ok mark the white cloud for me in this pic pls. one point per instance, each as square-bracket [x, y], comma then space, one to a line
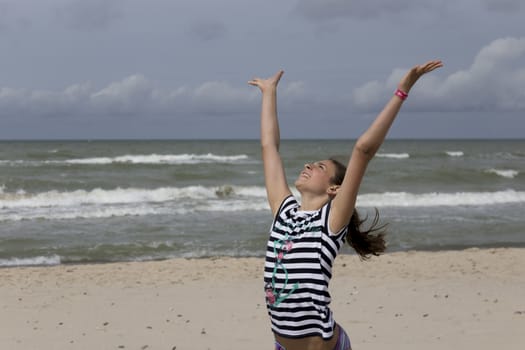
[295, 89]
[129, 96]
[134, 96]
[494, 82]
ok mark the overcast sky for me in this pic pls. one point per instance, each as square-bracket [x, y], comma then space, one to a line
[94, 69]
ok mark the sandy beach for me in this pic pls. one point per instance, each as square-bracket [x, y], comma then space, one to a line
[471, 299]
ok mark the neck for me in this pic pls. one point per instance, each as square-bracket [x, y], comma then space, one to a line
[309, 202]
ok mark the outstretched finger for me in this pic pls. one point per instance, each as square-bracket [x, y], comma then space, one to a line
[278, 75]
[431, 65]
[416, 72]
[254, 81]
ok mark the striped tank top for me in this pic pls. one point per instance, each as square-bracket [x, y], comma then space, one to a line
[298, 268]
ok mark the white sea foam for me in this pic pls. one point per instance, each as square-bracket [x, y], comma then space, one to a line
[455, 153]
[201, 195]
[173, 159]
[507, 173]
[404, 199]
[251, 191]
[159, 159]
[86, 213]
[38, 260]
[101, 196]
[235, 205]
[393, 155]
[100, 203]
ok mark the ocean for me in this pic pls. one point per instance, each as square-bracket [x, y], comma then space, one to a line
[103, 201]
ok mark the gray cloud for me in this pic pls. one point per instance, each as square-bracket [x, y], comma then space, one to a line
[332, 9]
[4, 16]
[136, 106]
[504, 6]
[12, 17]
[134, 96]
[207, 30]
[495, 81]
[89, 15]
[335, 9]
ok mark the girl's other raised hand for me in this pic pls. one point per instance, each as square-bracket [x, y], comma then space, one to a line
[269, 83]
[416, 72]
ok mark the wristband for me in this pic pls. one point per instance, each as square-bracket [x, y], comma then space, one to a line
[401, 94]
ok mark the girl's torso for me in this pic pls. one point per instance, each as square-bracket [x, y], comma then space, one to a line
[299, 258]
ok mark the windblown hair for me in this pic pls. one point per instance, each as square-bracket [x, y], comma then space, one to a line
[366, 242]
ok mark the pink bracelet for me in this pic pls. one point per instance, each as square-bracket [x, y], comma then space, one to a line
[401, 94]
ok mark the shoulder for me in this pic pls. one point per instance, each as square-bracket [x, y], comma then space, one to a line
[325, 210]
[288, 203]
[286, 209]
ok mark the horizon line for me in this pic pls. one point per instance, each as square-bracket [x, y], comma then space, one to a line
[257, 139]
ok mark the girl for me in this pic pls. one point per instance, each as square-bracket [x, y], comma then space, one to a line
[305, 237]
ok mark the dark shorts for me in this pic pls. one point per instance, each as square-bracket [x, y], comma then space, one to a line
[343, 341]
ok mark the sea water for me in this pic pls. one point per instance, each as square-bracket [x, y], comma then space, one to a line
[102, 201]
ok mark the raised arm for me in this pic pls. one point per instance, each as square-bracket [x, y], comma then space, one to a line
[274, 176]
[368, 144]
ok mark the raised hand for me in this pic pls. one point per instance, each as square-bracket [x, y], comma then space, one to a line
[416, 72]
[269, 83]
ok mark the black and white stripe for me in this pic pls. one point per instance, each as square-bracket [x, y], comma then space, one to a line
[305, 312]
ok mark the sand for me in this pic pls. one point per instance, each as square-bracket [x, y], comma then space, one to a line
[471, 299]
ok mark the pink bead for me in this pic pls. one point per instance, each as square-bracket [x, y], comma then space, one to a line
[270, 296]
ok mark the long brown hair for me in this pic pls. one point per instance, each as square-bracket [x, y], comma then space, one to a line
[366, 242]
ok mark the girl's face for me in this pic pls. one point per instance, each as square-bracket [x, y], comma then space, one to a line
[316, 177]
